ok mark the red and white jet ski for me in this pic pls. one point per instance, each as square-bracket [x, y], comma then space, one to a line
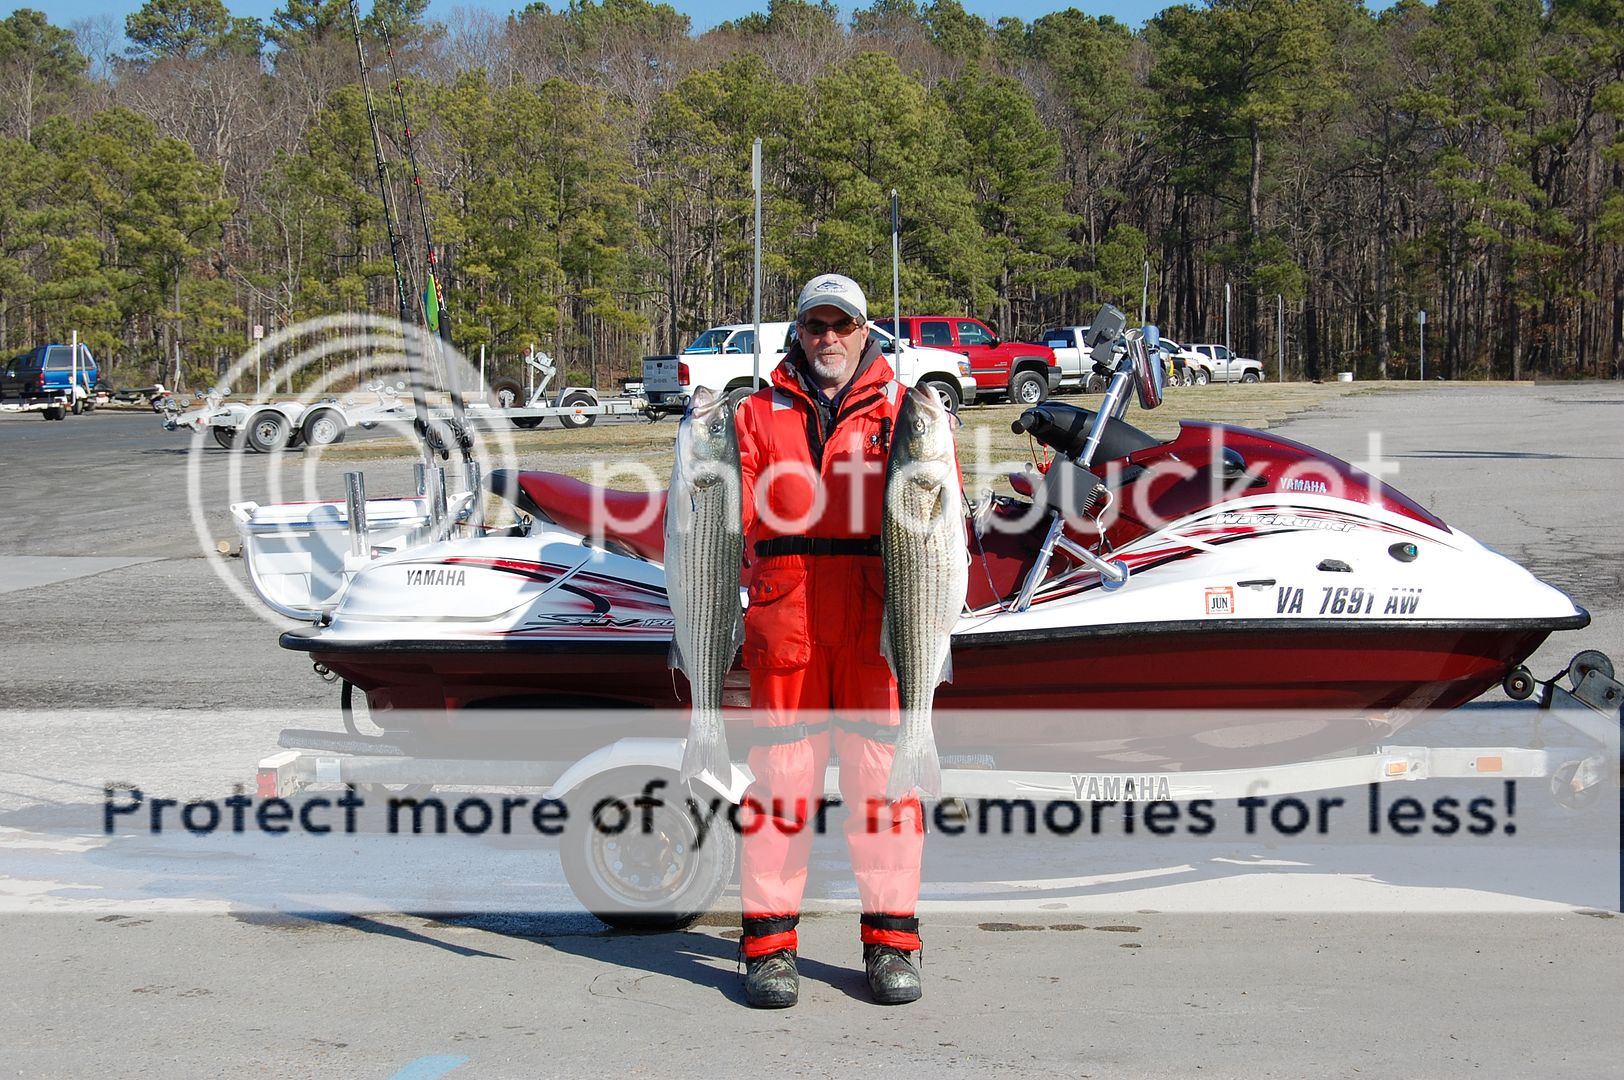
[1196, 595]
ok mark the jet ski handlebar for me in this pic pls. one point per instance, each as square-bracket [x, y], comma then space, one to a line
[1083, 435]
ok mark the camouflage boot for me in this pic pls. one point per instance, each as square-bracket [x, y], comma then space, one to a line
[771, 981]
[893, 975]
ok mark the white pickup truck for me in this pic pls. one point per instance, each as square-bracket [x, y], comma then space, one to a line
[722, 359]
[1215, 363]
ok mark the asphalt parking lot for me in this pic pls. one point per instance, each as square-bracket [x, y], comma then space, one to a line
[124, 651]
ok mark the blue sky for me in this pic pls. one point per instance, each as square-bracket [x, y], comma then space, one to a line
[704, 13]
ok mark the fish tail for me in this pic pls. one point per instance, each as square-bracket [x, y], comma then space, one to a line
[707, 748]
[916, 765]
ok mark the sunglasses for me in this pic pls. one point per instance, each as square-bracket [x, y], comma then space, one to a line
[817, 327]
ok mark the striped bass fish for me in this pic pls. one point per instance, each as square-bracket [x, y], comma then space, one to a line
[926, 560]
[704, 544]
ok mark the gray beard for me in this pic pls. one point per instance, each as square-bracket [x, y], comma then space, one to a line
[828, 368]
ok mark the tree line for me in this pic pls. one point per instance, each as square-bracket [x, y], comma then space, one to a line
[1304, 170]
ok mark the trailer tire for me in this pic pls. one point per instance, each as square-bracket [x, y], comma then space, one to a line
[570, 420]
[226, 437]
[266, 432]
[655, 879]
[324, 427]
[53, 413]
[528, 423]
[507, 392]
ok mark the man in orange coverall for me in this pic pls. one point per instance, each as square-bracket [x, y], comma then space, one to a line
[813, 447]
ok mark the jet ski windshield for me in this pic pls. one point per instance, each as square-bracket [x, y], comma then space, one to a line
[1064, 429]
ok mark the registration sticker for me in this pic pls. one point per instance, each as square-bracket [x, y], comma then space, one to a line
[1221, 600]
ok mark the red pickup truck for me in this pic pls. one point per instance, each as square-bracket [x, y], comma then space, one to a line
[1022, 372]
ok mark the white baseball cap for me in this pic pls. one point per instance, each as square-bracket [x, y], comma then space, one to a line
[833, 290]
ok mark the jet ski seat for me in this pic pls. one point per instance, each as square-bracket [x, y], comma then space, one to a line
[1064, 428]
[633, 520]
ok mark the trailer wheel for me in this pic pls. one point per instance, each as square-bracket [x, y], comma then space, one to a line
[507, 392]
[324, 427]
[571, 420]
[227, 437]
[659, 878]
[267, 432]
[528, 423]
[54, 412]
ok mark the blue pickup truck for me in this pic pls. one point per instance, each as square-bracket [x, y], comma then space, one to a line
[50, 380]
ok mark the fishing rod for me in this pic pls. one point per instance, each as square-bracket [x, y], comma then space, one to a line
[432, 444]
[434, 311]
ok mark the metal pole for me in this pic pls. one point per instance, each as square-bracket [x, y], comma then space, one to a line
[896, 269]
[1423, 320]
[73, 371]
[1226, 317]
[755, 182]
[1280, 334]
[482, 381]
[1144, 296]
[355, 508]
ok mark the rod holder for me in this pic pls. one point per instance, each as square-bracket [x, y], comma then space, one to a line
[476, 498]
[355, 507]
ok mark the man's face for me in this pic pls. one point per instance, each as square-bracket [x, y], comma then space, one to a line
[833, 351]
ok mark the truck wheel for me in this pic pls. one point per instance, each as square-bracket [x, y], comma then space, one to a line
[1028, 388]
[1202, 376]
[945, 392]
[507, 393]
[662, 877]
[570, 420]
[267, 432]
[736, 396]
[1250, 376]
[324, 427]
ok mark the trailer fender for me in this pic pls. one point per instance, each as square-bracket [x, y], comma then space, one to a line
[570, 394]
[646, 755]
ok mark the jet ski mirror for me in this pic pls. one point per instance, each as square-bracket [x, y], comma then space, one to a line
[1149, 375]
[1102, 336]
